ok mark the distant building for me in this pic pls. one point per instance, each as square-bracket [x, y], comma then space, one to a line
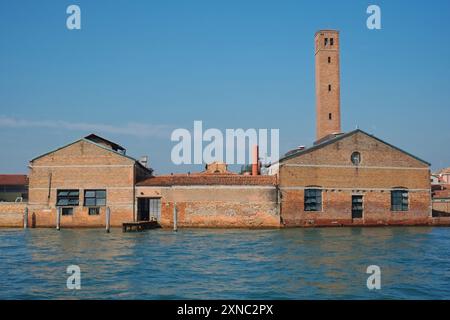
[444, 176]
[13, 188]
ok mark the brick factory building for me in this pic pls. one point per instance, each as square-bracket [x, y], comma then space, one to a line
[351, 178]
[354, 179]
[82, 178]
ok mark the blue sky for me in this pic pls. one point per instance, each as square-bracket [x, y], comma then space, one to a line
[138, 69]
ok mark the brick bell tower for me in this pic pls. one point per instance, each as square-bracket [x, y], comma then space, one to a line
[328, 110]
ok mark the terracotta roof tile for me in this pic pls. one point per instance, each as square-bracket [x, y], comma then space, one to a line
[13, 179]
[208, 179]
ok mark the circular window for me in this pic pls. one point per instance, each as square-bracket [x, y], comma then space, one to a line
[356, 158]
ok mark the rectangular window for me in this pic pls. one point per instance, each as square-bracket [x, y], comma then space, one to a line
[325, 42]
[399, 200]
[357, 207]
[329, 87]
[94, 211]
[94, 198]
[329, 116]
[331, 41]
[313, 200]
[67, 211]
[329, 59]
[67, 198]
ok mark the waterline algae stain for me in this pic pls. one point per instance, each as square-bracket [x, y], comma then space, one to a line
[318, 263]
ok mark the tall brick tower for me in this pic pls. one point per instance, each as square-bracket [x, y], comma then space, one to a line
[328, 110]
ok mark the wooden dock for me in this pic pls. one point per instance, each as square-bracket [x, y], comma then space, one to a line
[139, 226]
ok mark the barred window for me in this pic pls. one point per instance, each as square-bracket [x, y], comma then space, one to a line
[313, 200]
[67, 198]
[94, 198]
[399, 200]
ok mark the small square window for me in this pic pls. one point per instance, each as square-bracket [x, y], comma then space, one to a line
[67, 211]
[94, 211]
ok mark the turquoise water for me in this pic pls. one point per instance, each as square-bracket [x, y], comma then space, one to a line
[318, 263]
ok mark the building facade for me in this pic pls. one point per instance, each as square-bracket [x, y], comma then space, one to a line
[354, 179]
[82, 179]
[210, 200]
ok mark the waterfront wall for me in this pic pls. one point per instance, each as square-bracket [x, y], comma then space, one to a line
[11, 214]
[217, 206]
[441, 208]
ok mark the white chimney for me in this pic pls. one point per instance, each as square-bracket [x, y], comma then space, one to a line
[144, 161]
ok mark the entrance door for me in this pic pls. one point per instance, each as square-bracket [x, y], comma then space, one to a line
[143, 212]
[149, 209]
[357, 207]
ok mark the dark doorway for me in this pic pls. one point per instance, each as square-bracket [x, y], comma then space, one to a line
[357, 207]
[143, 210]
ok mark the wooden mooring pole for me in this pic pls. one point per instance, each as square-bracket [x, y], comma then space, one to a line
[58, 218]
[175, 217]
[108, 219]
[25, 219]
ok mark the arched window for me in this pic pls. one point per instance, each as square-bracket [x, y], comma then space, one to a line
[356, 158]
[313, 199]
[399, 199]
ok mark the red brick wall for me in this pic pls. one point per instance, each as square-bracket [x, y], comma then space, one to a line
[441, 207]
[217, 206]
[11, 214]
[330, 169]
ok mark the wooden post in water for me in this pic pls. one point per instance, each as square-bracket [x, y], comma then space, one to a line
[175, 216]
[25, 219]
[108, 219]
[58, 218]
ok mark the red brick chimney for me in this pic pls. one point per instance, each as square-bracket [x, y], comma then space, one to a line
[255, 160]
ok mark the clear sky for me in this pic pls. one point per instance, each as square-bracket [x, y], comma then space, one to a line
[138, 69]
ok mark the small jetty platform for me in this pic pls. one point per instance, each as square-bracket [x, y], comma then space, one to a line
[139, 226]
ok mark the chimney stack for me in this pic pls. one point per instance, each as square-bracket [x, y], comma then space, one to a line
[328, 109]
[144, 161]
[255, 160]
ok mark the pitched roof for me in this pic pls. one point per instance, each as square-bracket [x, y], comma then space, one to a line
[343, 136]
[89, 140]
[98, 139]
[208, 179]
[13, 180]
